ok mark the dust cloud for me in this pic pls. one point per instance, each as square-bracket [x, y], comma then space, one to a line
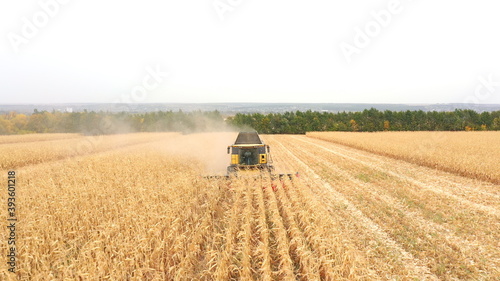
[201, 140]
[209, 149]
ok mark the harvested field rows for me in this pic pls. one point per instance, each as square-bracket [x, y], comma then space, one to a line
[142, 212]
[447, 223]
[472, 154]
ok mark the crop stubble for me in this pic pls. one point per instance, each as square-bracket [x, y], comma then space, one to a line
[140, 210]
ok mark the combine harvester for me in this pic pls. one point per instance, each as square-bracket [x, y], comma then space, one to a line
[251, 158]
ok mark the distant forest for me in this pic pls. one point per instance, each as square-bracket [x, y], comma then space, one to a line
[369, 120]
[273, 123]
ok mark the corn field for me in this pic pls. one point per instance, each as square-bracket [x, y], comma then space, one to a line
[137, 207]
[472, 154]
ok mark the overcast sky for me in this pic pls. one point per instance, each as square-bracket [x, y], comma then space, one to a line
[359, 51]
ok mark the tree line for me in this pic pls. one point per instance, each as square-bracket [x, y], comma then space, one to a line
[298, 122]
[368, 120]
[94, 123]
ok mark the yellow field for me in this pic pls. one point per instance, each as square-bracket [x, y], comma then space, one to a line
[135, 208]
[35, 137]
[60, 146]
[474, 154]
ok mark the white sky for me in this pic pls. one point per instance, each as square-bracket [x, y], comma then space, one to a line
[263, 51]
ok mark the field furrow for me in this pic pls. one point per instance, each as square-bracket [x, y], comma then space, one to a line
[468, 156]
[263, 251]
[422, 182]
[283, 267]
[437, 206]
[422, 221]
[139, 208]
[388, 256]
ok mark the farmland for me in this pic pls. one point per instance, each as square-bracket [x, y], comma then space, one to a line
[135, 207]
[473, 154]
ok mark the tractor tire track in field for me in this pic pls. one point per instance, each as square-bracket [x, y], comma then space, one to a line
[469, 243]
[429, 184]
[414, 266]
[469, 155]
[454, 183]
[144, 211]
[428, 187]
[459, 242]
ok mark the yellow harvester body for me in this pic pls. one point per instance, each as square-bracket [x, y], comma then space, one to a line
[249, 153]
